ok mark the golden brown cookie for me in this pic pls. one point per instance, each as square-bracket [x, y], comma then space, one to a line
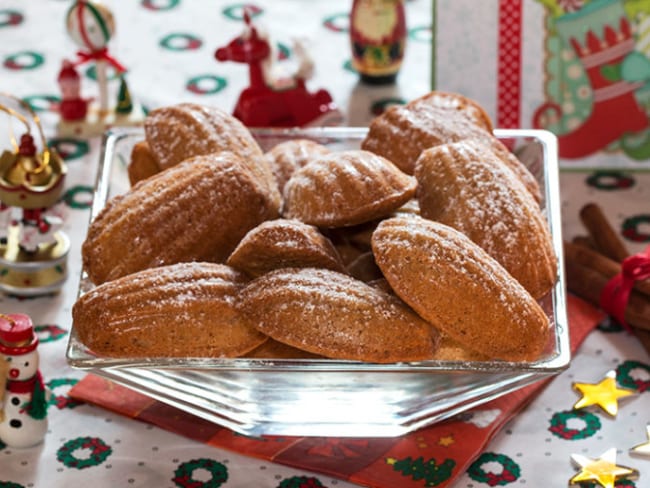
[456, 286]
[284, 243]
[197, 210]
[181, 310]
[177, 132]
[334, 315]
[142, 164]
[469, 189]
[346, 188]
[287, 157]
[402, 132]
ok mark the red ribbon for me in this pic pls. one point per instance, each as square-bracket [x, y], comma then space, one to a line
[615, 295]
[509, 73]
[99, 55]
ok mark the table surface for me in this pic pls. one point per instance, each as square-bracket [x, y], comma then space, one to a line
[168, 47]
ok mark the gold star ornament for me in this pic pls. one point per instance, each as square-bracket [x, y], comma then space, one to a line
[603, 470]
[642, 449]
[604, 394]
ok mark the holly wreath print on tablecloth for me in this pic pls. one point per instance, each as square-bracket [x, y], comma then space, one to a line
[95, 451]
[218, 472]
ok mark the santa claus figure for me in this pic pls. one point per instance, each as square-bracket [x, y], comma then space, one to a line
[378, 39]
[23, 405]
[73, 106]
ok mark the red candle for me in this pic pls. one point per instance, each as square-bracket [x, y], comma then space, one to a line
[15, 329]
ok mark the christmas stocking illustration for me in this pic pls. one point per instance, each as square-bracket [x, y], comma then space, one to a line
[601, 36]
[23, 413]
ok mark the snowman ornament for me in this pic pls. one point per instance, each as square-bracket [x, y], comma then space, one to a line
[23, 406]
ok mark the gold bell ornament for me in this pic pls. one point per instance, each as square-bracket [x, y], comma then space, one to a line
[33, 248]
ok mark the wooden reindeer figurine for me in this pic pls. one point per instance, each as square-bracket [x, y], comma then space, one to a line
[271, 100]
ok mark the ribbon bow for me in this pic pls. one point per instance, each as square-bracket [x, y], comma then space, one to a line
[99, 55]
[616, 293]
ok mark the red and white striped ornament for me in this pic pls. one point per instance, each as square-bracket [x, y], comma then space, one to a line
[90, 25]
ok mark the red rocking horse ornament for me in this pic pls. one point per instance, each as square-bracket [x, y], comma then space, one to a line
[270, 101]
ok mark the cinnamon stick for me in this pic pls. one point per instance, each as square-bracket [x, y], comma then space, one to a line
[600, 263]
[588, 284]
[584, 241]
[603, 235]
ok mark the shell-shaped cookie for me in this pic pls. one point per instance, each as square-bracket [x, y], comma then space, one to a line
[287, 157]
[197, 210]
[142, 164]
[456, 286]
[469, 189]
[283, 243]
[177, 132]
[346, 188]
[334, 315]
[181, 310]
[402, 132]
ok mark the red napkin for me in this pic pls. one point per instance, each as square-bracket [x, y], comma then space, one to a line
[437, 454]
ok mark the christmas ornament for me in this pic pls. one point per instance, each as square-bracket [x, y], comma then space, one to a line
[272, 100]
[91, 25]
[605, 394]
[644, 448]
[603, 470]
[377, 39]
[33, 249]
[23, 418]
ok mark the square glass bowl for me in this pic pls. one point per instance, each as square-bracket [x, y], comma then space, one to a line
[321, 397]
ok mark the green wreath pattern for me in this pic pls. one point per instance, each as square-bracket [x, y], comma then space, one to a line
[157, 6]
[24, 60]
[183, 474]
[10, 18]
[559, 424]
[510, 473]
[9, 484]
[69, 147]
[71, 197]
[631, 228]
[300, 482]
[49, 332]
[99, 452]
[624, 379]
[610, 180]
[236, 11]
[62, 401]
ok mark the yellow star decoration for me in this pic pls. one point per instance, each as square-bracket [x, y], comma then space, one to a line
[602, 470]
[604, 394]
[643, 449]
[446, 441]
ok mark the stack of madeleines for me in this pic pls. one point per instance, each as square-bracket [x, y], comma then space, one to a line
[426, 243]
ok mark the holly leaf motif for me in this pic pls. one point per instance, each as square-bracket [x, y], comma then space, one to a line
[611, 72]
